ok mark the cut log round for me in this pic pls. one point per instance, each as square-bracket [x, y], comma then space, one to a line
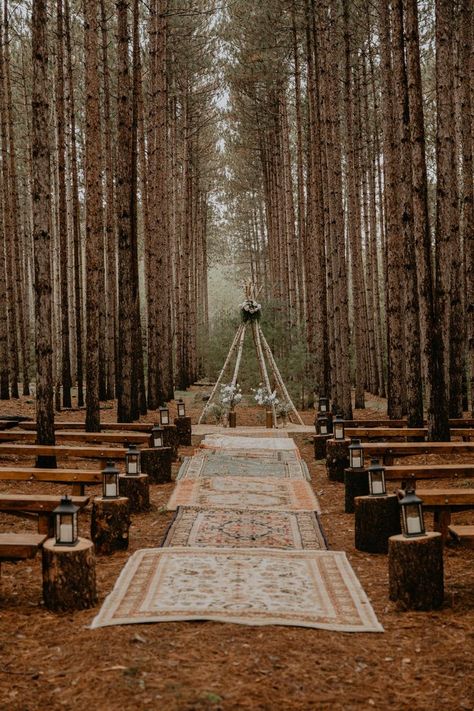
[69, 581]
[320, 446]
[170, 439]
[110, 524]
[415, 571]
[137, 490]
[156, 462]
[376, 519]
[184, 429]
[337, 458]
[356, 483]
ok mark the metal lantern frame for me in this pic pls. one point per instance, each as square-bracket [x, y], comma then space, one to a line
[356, 454]
[157, 436]
[181, 407]
[132, 461]
[338, 428]
[110, 481]
[66, 515]
[323, 405]
[376, 474]
[164, 416]
[322, 424]
[412, 504]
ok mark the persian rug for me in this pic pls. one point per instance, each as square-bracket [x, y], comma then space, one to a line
[253, 587]
[196, 467]
[244, 493]
[273, 455]
[230, 442]
[235, 528]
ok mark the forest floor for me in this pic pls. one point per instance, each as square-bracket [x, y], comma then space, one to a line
[54, 661]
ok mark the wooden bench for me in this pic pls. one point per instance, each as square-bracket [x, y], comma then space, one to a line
[453, 423]
[391, 450]
[443, 502]
[62, 451]
[463, 534]
[20, 546]
[37, 505]
[407, 472]
[104, 426]
[402, 432]
[77, 478]
[75, 436]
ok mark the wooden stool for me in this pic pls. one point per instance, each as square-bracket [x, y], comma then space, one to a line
[69, 581]
[183, 426]
[320, 446]
[137, 490]
[337, 458]
[376, 519]
[170, 439]
[110, 524]
[356, 483]
[156, 462]
[415, 571]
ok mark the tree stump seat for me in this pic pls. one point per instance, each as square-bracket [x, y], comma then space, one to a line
[156, 462]
[376, 519]
[110, 524]
[337, 458]
[137, 490]
[415, 567]
[69, 580]
[184, 430]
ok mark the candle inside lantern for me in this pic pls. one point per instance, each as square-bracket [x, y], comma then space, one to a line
[413, 520]
[132, 467]
[377, 486]
[110, 490]
[65, 532]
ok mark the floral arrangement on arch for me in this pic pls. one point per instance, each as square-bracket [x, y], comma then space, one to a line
[264, 397]
[250, 310]
[230, 395]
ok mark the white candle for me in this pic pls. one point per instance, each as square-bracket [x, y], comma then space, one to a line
[132, 468]
[110, 490]
[413, 523]
[157, 442]
[377, 487]
[356, 461]
[65, 532]
[324, 429]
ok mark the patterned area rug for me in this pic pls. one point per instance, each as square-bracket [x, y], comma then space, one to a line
[246, 443]
[255, 586]
[196, 467]
[235, 528]
[270, 455]
[244, 493]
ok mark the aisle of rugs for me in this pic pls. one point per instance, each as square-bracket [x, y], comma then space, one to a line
[245, 546]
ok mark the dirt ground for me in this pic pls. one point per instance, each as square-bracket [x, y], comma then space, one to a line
[53, 661]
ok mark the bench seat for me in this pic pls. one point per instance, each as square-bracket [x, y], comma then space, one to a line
[20, 546]
[390, 450]
[40, 505]
[62, 451]
[78, 436]
[443, 502]
[406, 472]
[463, 534]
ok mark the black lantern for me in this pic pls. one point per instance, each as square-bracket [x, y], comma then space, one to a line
[132, 461]
[356, 455]
[413, 523]
[181, 408]
[338, 427]
[164, 416]
[110, 481]
[324, 404]
[376, 478]
[65, 523]
[157, 436]
[322, 425]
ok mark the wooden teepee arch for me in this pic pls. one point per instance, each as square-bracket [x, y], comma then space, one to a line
[265, 358]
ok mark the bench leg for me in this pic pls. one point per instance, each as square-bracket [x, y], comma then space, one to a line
[45, 525]
[442, 519]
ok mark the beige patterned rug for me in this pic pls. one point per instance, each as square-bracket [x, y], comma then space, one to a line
[246, 443]
[255, 586]
[227, 465]
[244, 493]
[271, 455]
[245, 529]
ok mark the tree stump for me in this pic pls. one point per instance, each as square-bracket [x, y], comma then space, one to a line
[183, 426]
[69, 581]
[356, 484]
[156, 462]
[320, 446]
[110, 524]
[376, 519]
[137, 490]
[170, 439]
[337, 458]
[415, 571]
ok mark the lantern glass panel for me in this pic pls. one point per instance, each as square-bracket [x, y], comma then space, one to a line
[110, 482]
[164, 416]
[181, 409]
[377, 482]
[323, 404]
[66, 528]
[133, 462]
[413, 520]
[157, 436]
[323, 426]
[356, 456]
[338, 425]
